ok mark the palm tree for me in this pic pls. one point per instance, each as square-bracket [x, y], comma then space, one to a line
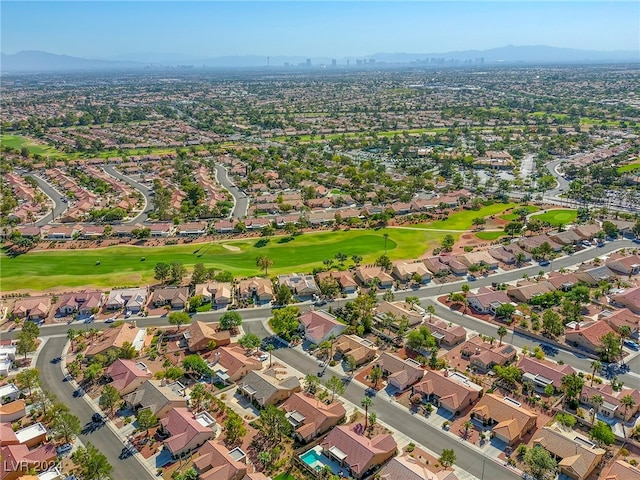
[627, 402]
[270, 348]
[597, 402]
[264, 262]
[595, 366]
[624, 332]
[366, 402]
[72, 335]
[502, 331]
[431, 310]
[375, 375]
[467, 426]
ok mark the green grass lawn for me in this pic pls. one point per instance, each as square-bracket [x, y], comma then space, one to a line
[557, 217]
[124, 265]
[490, 235]
[462, 220]
[18, 141]
[285, 476]
[510, 217]
[630, 167]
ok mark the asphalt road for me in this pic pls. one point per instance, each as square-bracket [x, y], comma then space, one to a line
[103, 438]
[59, 207]
[241, 201]
[143, 216]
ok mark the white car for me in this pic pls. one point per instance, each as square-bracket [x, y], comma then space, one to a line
[110, 320]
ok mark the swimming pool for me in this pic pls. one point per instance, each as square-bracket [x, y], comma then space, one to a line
[317, 461]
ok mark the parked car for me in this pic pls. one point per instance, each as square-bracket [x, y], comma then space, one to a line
[110, 320]
[90, 319]
[97, 418]
[62, 449]
[632, 345]
[128, 314]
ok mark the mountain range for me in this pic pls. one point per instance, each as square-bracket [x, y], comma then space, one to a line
[38, 61]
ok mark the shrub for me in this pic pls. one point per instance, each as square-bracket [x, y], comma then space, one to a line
[411, 447]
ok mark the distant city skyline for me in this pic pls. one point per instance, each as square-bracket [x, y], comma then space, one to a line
[313, 29]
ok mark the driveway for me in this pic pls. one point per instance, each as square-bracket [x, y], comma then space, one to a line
[103, 438]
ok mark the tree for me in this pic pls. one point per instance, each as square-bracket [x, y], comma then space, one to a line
[284, 295]
[264, 263]
[509, 374]
[311, 383]
[506, 311]
[375, 376]
[31, 328]
[335, 386]
[540, 463]
[196, 397]
[230, 321]
[274, 423]
[513, 228]
[234, 427]
[610, 229]
[566, 419]
[92, 373]
[384, 262]
[92, 464]
[595, 366]
[72, 334]
[29, 378]
[173, 373]
[502, 331]
[448, 242]
[109, 398]
[196, 364]
[625, 332]
[285, 321]
[602, 432]
[447, 457]
[431, 310]
[627, 402]
[610, 348]
[465, 288]
[467, 426]
[366, 402]
[596, 401]
[26, 343]
[250, 341]
[351, 364]
[572, 386]
[358, 258]
[421, 339]
[552, 323]
[341, 257]
[127, 351]
[179, 318]
[199, 274]
[146, 420]
[66, 426]
[161, 271]
[177, 272]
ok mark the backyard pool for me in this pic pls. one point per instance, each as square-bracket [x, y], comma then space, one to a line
[317, 461]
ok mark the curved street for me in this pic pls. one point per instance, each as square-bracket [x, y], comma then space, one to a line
[59, 207]
[240, 199]
[143, 216]
[104, 439]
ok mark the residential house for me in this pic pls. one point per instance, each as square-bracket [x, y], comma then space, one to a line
[455, 266]
[509, 420]
[399, 310]
[568, 237]
[588, 231]
[192, 229]
[563, 281]
[484, 356]
[400, 373]
[360, 349]
[529, 243]
[345, 279]
[83, 303]
[577, 456]
[175, 297]
[612, 406]
[624, 264]
[158, 396]
[358, 452]
[12, 411]
[231, 363]
[620, 318]
[187, 430]
[593, 276]
[621, 470]
[160, 229]
[487, 300]
[436, 266]
[217, 293]
[198, 336]
[451, 391]
[446, 333]
[117, 337]
[516, 251]
[320, 326]
[406, 467]
[132, 299]
[30, 436]
[7, 356]
[587, 336]
[127, 375]
[407, 271]
[525, 291]
[371, 275]
[215, 462]
[269, 387]
[256, 288]
[302, 286]
[502, 255]
[9, 392]
[480, 257]
[629, 298]
[311, 417]
[17, 460]
[32, 308]
[543, 372]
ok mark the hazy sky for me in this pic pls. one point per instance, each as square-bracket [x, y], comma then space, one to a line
[318, 28]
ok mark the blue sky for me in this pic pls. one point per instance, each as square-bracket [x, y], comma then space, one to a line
[319, 28]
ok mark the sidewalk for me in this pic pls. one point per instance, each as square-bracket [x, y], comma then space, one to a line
[96, 408]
